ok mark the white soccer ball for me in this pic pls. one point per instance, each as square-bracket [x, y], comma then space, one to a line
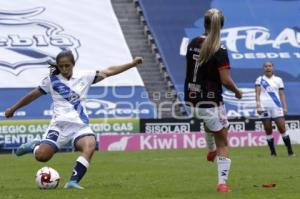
[47, 178]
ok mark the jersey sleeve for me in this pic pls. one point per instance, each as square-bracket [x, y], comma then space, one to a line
[90, 76]
[44, 86]
[222, 59]
[280, 83]
[188, 51]
[258, 80]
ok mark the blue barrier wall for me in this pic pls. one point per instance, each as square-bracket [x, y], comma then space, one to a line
[255, 31]
[101, 102]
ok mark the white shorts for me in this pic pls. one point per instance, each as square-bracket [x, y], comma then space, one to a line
[61, 133]
[271, 113]
[214, 118]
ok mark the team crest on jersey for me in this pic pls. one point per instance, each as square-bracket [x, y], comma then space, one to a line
[27, 41]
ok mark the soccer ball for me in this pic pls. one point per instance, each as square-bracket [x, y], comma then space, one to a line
[47, 178]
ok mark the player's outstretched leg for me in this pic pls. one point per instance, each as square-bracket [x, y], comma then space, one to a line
[27, 147]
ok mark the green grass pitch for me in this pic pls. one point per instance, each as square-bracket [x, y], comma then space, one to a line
[158, 174]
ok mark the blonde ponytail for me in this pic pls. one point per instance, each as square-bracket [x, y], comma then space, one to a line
[213, 22]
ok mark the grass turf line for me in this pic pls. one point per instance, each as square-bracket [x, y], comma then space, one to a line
[158, 174]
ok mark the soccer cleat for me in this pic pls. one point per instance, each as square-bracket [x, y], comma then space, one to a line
[211, 156]
[27, 147]
[72, 185]
[291, 154]
[223, 188]
[273, 154]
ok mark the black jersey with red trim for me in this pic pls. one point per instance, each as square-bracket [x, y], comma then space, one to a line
[203, 87]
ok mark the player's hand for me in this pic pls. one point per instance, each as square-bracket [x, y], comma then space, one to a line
[239, 94]
[9, 112]
[259, 110]
[137, 60]
[285, 112]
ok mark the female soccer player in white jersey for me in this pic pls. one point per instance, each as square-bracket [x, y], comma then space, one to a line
[68, 89]
[271, 105]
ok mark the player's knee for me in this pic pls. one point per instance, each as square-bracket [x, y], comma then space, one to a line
[91, 146]
[89, 149]
[42, 156]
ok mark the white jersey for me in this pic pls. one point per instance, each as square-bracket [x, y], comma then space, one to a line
[269, 92]
[69, 95]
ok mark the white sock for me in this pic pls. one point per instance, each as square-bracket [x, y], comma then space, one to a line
[223, 169]
[79, 169]
[83, 161]
[269, 137]
[210, 142]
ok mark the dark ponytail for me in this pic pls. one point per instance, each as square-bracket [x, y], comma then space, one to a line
[53, 68]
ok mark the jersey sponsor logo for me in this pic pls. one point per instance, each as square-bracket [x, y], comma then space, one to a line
[30, 42]
[194, 87]
[52, 135]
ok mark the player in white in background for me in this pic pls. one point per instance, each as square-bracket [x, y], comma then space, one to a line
[271, 105]
[68, 89]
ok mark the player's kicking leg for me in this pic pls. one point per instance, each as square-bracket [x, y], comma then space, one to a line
[27, 147]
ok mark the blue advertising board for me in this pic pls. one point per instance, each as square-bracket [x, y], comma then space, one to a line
[101, 102]
[254, 32]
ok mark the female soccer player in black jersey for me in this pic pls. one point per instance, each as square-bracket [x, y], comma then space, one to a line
[208, 69]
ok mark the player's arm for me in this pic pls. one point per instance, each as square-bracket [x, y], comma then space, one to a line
[228, 83]
[114, 70]
[27, 99]
[257, 99]
[283, 100]
[223, 67]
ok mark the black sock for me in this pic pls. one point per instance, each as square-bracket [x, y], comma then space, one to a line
[271, 146]
[287, 141]
[79, 169]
